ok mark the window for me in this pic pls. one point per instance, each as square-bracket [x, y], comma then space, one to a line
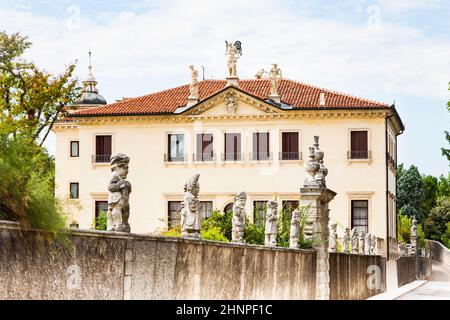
[74, 148]
[259, 212]
[100, 207]
[232, 147]
[175, 147]
[174, 215]
[205, 151]
[358, 145]
[228, 208]
[360, 215]
[74, 190]
[102, 148]
[289, 206]
[206, 207]
[289, 146]
[261, 146]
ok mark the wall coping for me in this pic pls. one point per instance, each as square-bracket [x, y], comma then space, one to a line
[356, 254]
[4, 224]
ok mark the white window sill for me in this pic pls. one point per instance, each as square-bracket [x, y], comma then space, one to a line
[350, 161]
[290, 161]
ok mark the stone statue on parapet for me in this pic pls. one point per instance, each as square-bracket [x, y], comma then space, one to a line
[294, 234]
[355, 241]
[346, 241]
[238, 220]
[190, 213]
[271, 228]
[119, 194]
[332, 242]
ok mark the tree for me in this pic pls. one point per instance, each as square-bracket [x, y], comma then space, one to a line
[31, 100]
[430, 188]
[410, 193]
[446, 152]
[436, 222]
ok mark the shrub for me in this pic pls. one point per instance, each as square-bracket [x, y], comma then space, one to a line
[173, 232]
[101, 222]
[254, 234]
[215, 234]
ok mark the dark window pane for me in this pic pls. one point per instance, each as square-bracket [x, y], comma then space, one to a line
[360, 215]
[289, 146]
[103, 148]
[205, 151]
[359, 145]
[228, 208]
[74, 148]
[173, 215]
[261, 146]
[232, 146]
[259, 212]
[206, 207]
[74, 190]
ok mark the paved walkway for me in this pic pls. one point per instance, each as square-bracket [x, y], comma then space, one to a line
[438, 288]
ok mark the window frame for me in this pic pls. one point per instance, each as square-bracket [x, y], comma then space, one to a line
[258, 153]
[367, 225]
[299, 153]
[78, 190]
[264, 210]
[349, 148]
[95, 155]
[208, 158]
[169, 212]
[237, 156]
[77, 142]
[177, 159]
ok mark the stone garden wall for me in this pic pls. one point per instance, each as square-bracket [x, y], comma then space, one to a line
[105, 265]
[406, 270]
[439, 252]
[351, 276]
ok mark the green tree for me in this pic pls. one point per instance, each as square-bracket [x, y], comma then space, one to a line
[436, 222]
[410, 193]
[430, 188]
[445, 151]
[30, 102]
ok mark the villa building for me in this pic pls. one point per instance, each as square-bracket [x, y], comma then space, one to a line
[239, 136]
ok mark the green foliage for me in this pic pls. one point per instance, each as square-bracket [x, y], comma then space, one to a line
[219, 221]
[446, 236]
[436, 222]
[284, 226]
[101, 222]
[404, 223]
[430, 188]
[339, 247]
[445, 151]
[254, 233]
[173, 232]
[410, 193]
[215, 234]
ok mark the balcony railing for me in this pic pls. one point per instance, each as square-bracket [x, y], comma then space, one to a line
[290, 155]
[204, 156]
[391, 160]
[101, 158]
[175, 158]
[261, 156]
[232, 156]
[359, 155]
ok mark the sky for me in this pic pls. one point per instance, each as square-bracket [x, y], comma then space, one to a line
[384, 50]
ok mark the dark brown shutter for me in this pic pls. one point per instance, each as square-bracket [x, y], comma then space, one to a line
[359, 145]
[103, 145]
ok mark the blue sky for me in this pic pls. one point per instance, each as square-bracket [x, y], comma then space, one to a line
[379, 49]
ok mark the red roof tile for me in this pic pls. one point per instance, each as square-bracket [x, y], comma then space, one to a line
[295, 94]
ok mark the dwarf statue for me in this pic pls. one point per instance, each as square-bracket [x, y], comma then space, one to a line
[346, 241]
[367, 241]
[238, 221]
[355, 241]
[119, 194]
[271, 228]
[361, 242]
[190, 213]
[373, 245]
[332, 245]
[294, 234]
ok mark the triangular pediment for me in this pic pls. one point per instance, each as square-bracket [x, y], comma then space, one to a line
[232, 101]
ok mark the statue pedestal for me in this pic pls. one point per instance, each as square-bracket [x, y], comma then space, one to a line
[316, 230]
[276, 98]
[232, 81]
[192, 101]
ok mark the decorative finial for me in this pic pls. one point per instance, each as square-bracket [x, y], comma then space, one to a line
[90, 64]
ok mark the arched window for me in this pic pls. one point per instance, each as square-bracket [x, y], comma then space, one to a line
[228, 207]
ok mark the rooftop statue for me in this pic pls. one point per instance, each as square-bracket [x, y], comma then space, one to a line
[193, 87]
[234, 51]
[119, 194]
[274, 77]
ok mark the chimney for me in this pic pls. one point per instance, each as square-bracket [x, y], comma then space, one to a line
[322, 99]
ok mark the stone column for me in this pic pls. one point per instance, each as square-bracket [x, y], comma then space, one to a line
[317, 196]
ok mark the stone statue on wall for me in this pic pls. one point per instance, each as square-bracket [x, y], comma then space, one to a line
[119, 194]
[361, 242]
[271, 228]
[346, 241]
[332, 242]
[311, 168]
[274, 79]
[294, 234]
[234, 51]
[373, 245]
[239, 215]
[193, 87]
[414, 227]
[355, 241]
[231, 102]
[190, 213]
[367, 240]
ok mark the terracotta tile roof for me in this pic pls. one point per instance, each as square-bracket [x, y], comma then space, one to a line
[295, 94]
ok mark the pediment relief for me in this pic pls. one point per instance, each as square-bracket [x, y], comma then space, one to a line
[232, 102]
